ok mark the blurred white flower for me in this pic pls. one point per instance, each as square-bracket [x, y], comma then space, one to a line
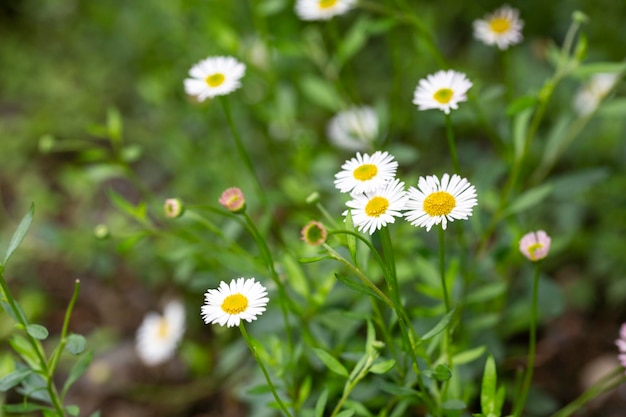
[591, 94]
[354, 129]
[442, 90]
[322, 9]
[502, 28]
[214, 76]
[158, 336]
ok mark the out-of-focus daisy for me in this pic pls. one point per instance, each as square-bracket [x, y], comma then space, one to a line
[591, 94]
[214, 76]
[373, 210]
[354, 129]
[443, 90]
[535, 245]
[621, 345]
[502, 28]
[366, 173]
[158, 335]
[314, 233]
[242, 299]
[233, 200]
[322, 9]
[435, 201]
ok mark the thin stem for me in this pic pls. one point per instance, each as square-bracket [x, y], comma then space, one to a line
[54, 361]
[269, 261]
[605, 384]
[243, 154]
[442, 269]
[252, 348]
[519, 406]
[392, 279]
[452, 145]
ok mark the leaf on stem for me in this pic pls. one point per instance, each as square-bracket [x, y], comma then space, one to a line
[330, 362]
[37, 331]
[75, 344]
[19, 234]
[14, 378]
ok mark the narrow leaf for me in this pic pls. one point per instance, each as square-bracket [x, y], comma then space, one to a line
[73, 410]
[598, 67]
[439, 327]
[468, 355]
[488, 390]
[357, 285]
[77, 371]
[320, 405]
[383, 367]
[19, 234]
[330, 362]
[346, 413]
[520, 128]
[529, 199]
[14, 378]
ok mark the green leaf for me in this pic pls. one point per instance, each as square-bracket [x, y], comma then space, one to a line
[73, 410]
[383, 367]
[24, 408]
[77, 371]
[96, 414]
[138, 212]
[19, 234]
[330, 362]
[441, 373]
[520, 104]
[613, 108]
[584, 71]
[312, 259]
[520, 128]
[9, 310]
[320, 92]
[528, 199]
[346, 413]
[114, 126]
[37, 331]
[26, 351]
[454, 405]
[320, 405]
[488, 390]
[468, 355]
[75, 344]
[439, 327]
[357, 285]
[486, 293]
[14, 378]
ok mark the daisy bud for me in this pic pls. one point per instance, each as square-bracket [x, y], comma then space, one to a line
[314, 233]
[535, 245]
[233, 200]
[101, 232]
[173, 208]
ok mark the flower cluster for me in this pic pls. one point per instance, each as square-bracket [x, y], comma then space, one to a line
[378, 197]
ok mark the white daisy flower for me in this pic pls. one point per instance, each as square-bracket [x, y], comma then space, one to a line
[158, 335]
[214, 76]
[373, 210]
[322, 9]
[535, 245]
[243, 299]
[366, 173]
[589, 96]
[355, 129]
[442, 90]
[435, 201]
[502, 28]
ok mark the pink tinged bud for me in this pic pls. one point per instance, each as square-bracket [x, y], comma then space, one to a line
[535, 245]
[233, 200]
[314, 233]
[621, 345]
[173, 208]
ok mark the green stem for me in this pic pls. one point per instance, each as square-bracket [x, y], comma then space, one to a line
[54, 360]
[243, 154]
[607, 383]
[36, 345]
[442, 269]
[269, 261]
[252, 348]
[519, 406]
[452, 145]
[388, 258]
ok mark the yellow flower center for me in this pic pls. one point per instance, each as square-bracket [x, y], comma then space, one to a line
[534, 248]
[443, 95]
[215, 80]
[376, 206]
[439, 203]
[365, 172]
[327, 4]
[235, 304]
[164, 329]
[500, 25]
